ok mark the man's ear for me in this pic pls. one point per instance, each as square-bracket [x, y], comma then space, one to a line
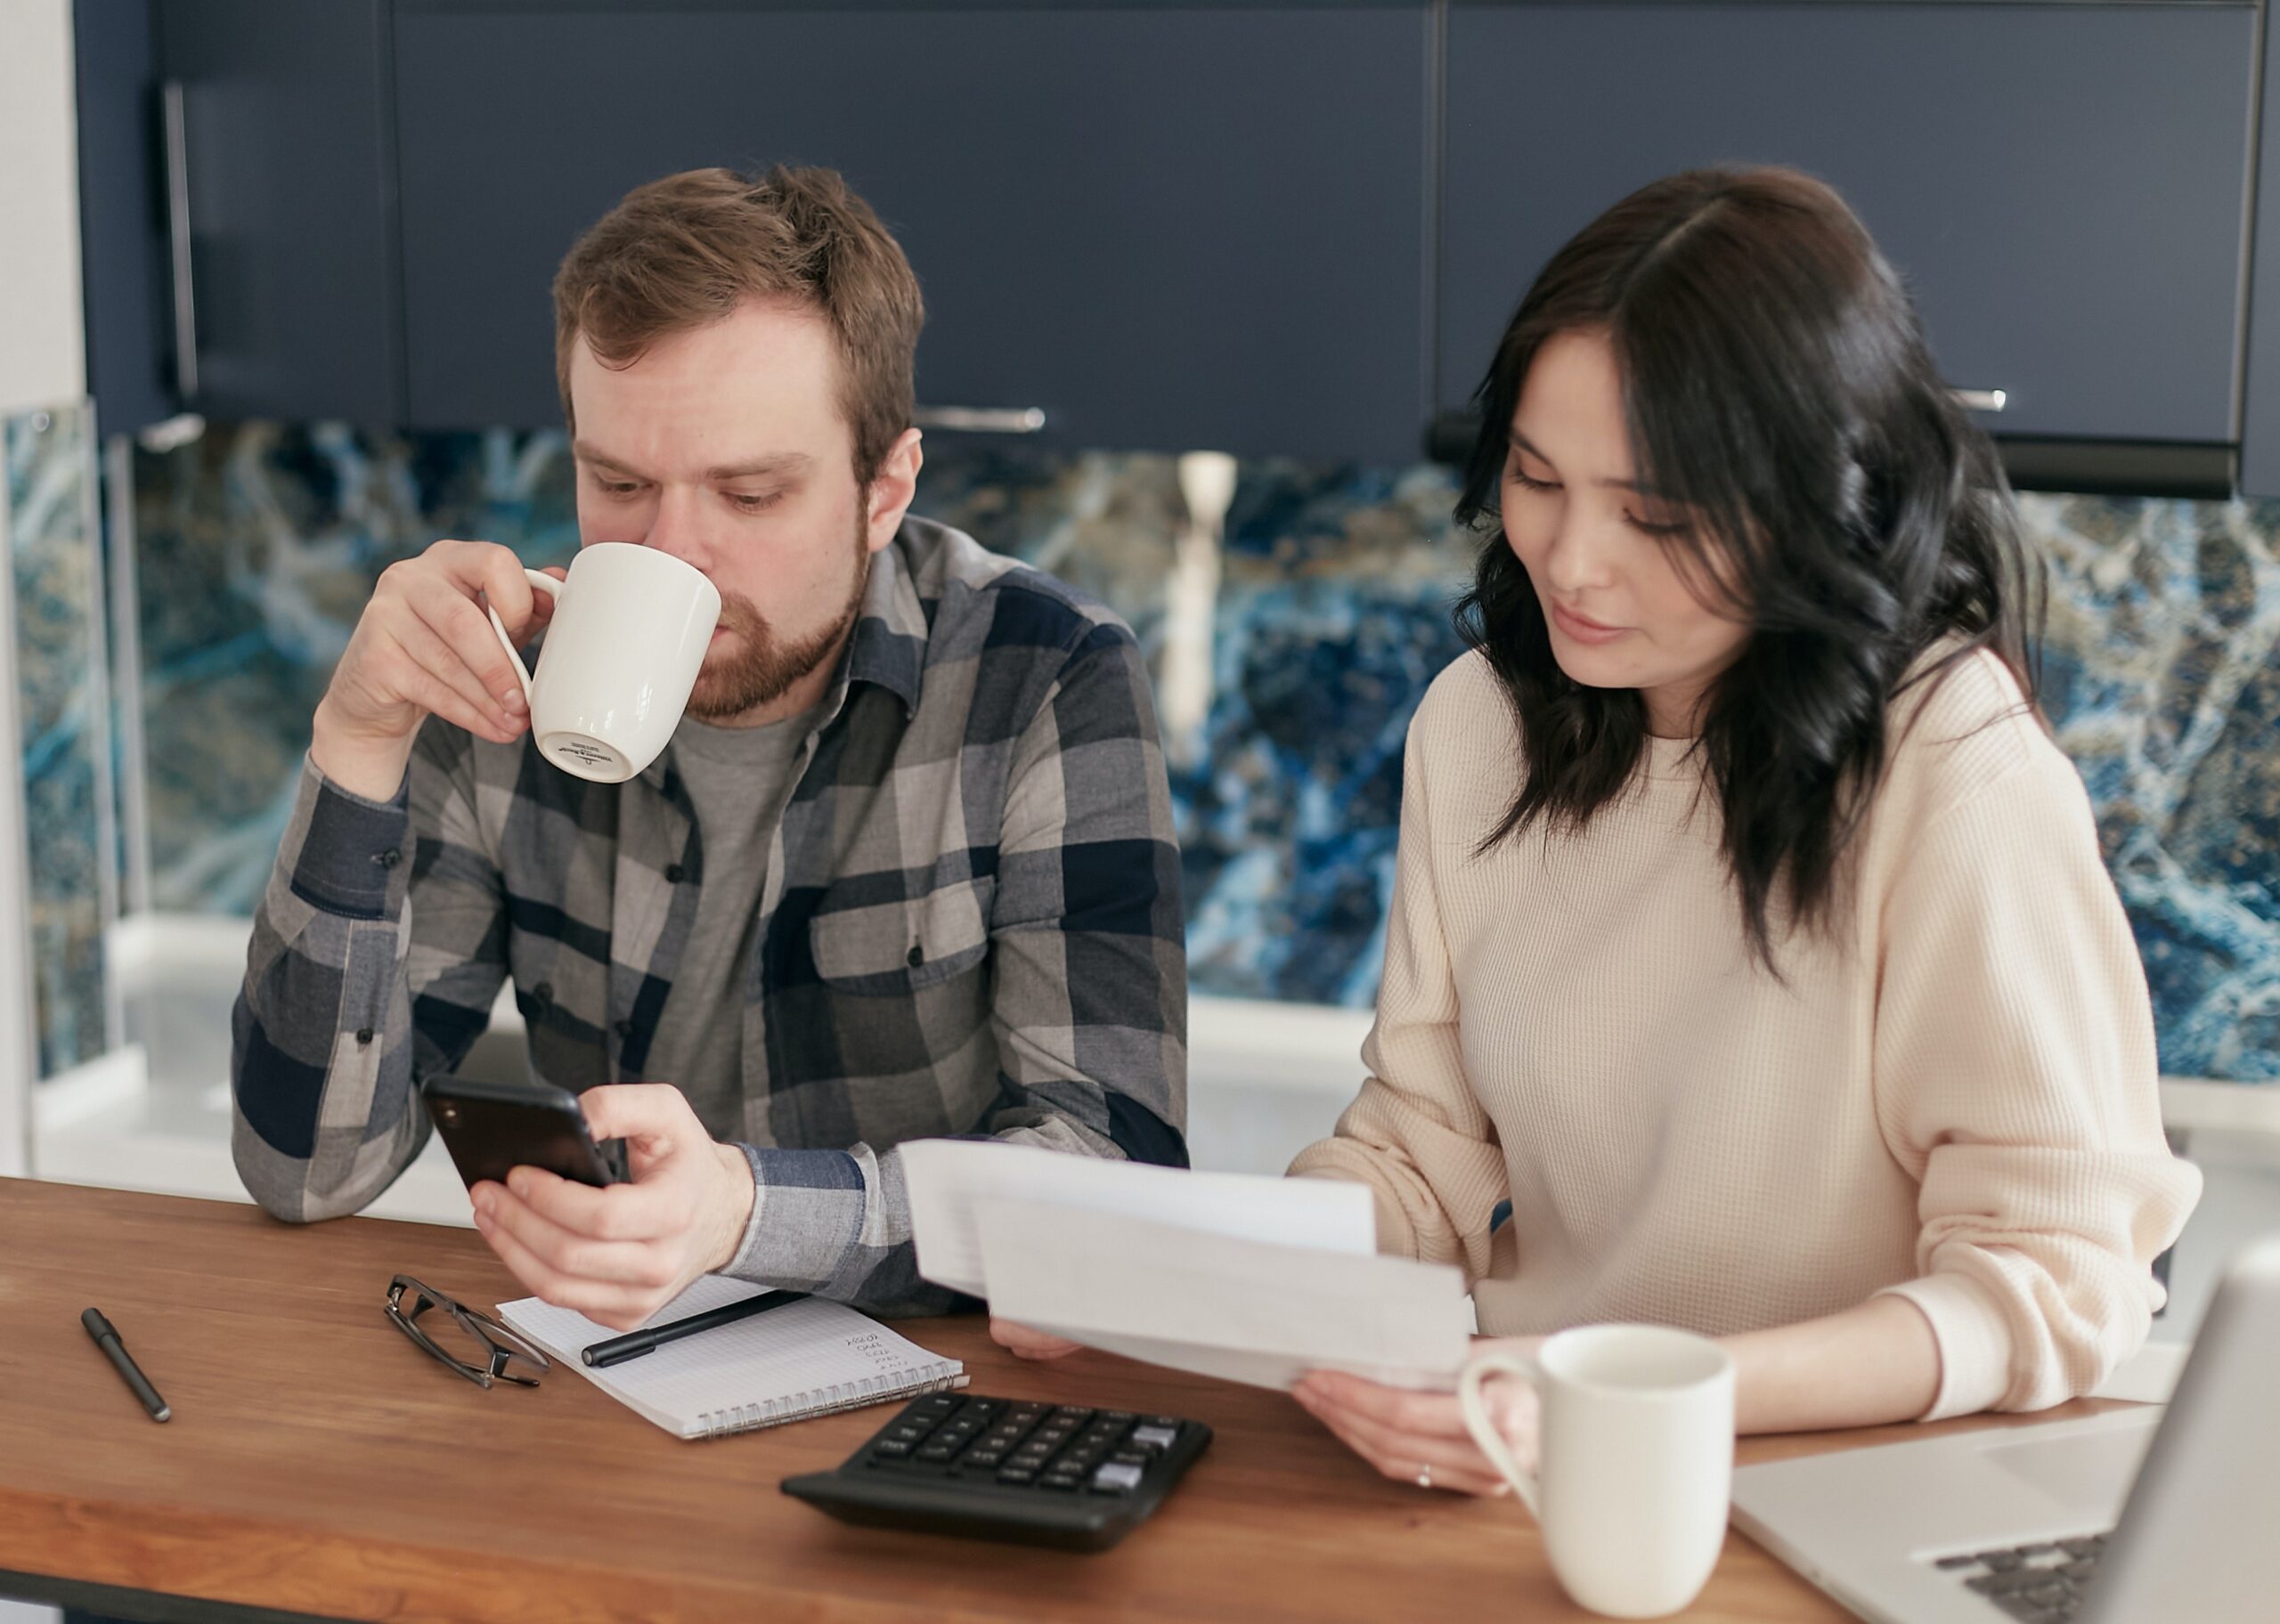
[892, 489]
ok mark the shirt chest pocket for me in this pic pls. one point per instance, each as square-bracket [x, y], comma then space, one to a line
[899, 948]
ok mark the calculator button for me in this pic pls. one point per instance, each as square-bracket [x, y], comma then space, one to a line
[1118, 1415]
[938, 1406]
[936, 1451]
[982, 1457]
[891, 1448]
[1060, 1480]
[1015, 1474]
[908, 1432]
[1116, 1478]
[1073, 1414]
[1129, 1457]
[1153, 1437]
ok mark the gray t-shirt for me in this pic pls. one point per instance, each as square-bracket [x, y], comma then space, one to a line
[738, 779]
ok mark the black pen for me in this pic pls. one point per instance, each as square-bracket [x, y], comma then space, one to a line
[107, 1339]
[617, 1350]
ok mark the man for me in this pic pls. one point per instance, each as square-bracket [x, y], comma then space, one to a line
[906, 869]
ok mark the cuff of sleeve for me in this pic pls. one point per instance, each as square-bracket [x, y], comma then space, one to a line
[1973, 1339]
[807, 1215]
[350, 846]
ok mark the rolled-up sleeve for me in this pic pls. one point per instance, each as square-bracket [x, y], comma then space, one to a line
[1418, 1134]
[2016, 1081]
[375, 952]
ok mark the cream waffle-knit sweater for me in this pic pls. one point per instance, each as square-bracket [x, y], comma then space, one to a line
[1953, 1101]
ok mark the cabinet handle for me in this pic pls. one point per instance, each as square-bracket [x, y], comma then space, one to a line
[1981, 400]
[178, 241]
[981, 419]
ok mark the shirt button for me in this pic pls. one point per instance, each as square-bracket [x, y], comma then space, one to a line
[389, 859]
[915, 957]
[363, 1038]
[625, 1028]
[674, 873]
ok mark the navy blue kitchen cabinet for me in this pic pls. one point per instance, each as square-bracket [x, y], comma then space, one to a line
[122, 214]
[282, 143]
[238, 248]
[1286, 228]
[2259, 472]
[2064, 187]
[1158, 227]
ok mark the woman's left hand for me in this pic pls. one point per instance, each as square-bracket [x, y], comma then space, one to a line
[1421, 1437]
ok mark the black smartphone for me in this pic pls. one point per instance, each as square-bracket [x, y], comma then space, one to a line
[490, 1127]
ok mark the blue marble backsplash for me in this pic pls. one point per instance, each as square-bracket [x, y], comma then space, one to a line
[258, 546]
[47, 485]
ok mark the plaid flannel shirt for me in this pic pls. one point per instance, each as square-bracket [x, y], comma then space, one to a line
[971, 926]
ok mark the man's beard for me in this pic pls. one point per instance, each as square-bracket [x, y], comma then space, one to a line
[762, 669]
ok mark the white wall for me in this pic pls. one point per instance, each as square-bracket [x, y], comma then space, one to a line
[43, 346]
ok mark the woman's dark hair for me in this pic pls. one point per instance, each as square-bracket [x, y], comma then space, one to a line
[1778, 392]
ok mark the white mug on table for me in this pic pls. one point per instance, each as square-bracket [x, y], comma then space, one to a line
[628, 634]
[1636, 1453]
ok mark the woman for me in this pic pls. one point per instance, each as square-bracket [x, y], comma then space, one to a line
[1749, 934]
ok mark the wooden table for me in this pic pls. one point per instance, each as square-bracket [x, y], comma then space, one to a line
[317, 1464]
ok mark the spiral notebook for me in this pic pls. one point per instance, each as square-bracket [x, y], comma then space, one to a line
[808, 1357]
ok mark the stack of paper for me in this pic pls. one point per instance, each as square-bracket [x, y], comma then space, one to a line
[1252, 1279]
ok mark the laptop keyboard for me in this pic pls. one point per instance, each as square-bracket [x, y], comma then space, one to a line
[2042, 1583]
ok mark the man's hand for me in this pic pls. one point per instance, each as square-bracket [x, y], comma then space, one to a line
[424, 647]
[1421, 1437]
[1026, 1343]
[619, 1255]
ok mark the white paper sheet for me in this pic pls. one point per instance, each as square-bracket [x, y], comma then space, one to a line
[946, 1177]
[1245, 1310]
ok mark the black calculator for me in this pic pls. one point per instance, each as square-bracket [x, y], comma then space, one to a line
[1010, 1469]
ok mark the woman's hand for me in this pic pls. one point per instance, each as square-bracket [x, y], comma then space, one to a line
[1026, 1343]
[1421, 1437]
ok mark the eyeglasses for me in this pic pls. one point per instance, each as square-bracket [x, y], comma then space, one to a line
[467, 1340]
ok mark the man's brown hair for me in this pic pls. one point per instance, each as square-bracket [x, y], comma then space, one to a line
[687, 249]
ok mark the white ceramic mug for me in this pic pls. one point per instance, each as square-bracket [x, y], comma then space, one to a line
[628, 634]
[1636, 1453]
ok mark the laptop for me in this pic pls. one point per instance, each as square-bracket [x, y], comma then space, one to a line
[2151, 1513]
